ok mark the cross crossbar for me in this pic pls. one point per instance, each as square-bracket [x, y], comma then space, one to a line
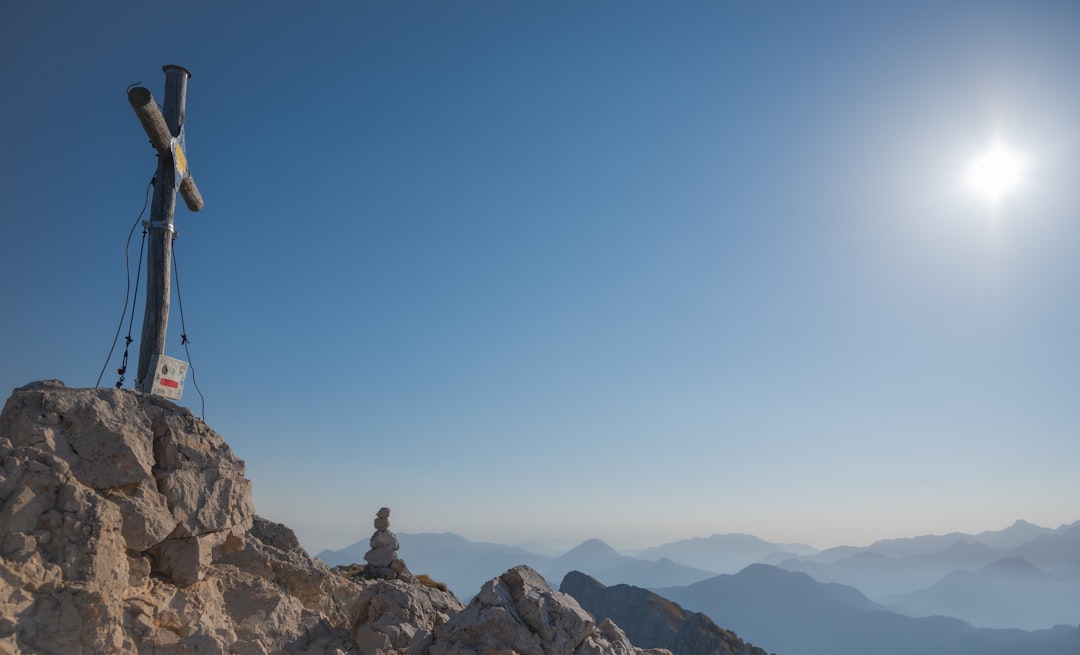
[142, 101]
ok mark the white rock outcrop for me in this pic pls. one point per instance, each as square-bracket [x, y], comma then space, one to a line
[518, 612]
[127, 527]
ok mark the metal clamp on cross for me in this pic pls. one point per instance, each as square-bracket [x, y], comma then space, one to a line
[166, 132]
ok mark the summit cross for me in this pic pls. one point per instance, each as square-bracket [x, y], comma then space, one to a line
[165, 129]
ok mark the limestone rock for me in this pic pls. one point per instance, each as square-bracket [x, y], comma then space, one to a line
[124, 528]
[398, 616]
[276, 535]
[167, 472]
[53, 525]
[196, 470]
[519, 612]
[147, 519]
[609, 638]
[127, 527]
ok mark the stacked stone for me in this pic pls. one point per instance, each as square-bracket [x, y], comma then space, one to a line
[382, 560]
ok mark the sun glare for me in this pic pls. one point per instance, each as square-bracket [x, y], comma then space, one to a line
[995, 173]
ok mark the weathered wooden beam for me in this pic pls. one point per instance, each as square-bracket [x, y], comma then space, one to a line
[190, 193]
[142, 101]
[161, 232]
[153, 122]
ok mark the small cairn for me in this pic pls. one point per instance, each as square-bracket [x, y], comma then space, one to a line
[382, 560]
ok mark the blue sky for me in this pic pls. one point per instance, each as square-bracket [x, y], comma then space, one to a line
[631, 270]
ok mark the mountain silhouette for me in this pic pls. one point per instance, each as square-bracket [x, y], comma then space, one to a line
[464, 565]
[1009, 592]
[722, 553]
[794, 614]
[653, 621]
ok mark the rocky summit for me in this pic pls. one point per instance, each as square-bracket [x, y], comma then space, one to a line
[127, 526]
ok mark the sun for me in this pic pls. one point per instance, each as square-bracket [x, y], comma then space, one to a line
[995, 173]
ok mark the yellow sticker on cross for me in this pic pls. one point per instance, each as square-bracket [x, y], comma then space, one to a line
[179, 160]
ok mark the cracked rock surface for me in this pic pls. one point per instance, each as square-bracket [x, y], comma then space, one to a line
[127, 527]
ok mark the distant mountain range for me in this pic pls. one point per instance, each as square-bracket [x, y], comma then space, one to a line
[461, 564]
[725, 553]
[465, 565]
[1042, 543]
[1010, 591]
[791, 613]
[992, 579]
[1024, 576]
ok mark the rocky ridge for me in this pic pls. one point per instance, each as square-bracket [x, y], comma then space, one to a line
[127, 527]
[654, 621]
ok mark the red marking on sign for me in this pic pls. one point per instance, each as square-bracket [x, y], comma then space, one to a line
[169, 383]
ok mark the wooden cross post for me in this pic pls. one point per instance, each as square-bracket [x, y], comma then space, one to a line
[164, 131]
